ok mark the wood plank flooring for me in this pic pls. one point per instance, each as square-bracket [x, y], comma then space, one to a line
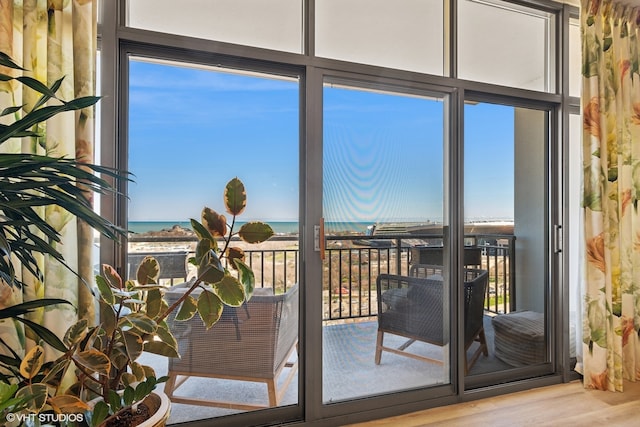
[563, 405]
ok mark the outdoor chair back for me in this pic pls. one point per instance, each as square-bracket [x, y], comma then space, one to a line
[413, 307]
[253, 342]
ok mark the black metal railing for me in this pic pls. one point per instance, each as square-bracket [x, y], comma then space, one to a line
[352, 264]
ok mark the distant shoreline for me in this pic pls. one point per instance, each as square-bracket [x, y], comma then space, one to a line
[279, 227]
[288, 228]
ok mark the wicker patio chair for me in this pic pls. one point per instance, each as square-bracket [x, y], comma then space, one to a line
[412, 307]
[253, 342]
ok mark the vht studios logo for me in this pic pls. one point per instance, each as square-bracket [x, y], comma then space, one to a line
[46, 418]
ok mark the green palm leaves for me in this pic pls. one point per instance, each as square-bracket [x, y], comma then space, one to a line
[30, 181]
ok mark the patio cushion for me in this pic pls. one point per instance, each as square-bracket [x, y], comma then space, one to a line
[519, 338]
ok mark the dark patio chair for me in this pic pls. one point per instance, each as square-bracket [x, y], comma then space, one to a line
[254, 342]
[173, 265]
[412, 307]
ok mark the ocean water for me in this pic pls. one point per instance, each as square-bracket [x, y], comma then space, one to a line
[279, 227]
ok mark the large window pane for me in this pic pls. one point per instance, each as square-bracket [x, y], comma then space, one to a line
[505, 205]
[383, 177]
[191, 130]
[273, 24]
[505, 44]
[407, 35]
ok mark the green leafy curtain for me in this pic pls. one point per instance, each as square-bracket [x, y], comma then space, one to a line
[52, 39]
[611, 185]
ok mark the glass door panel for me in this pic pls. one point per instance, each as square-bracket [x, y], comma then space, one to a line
[385, 302]
[506, 205]
[188, 139]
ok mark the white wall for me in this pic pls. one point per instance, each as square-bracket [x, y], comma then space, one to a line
[529, 210]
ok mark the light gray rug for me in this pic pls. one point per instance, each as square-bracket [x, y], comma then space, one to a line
[349, 372]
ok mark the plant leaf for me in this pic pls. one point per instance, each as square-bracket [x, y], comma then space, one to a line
[235, 254]
[105, 290]
[93, 360]
[128, 379]
[44, 333]
[107, 317]
[36, 395]
[214, 222]
[26, 307]
[32, 362]
[55, 374]
[209, 308]
[114, 401]
[148, 271]
[100, 412]
[166, 336]
[148, 371]
[210, 270]
[154, 303]
[187, 309]
[137, 371]
[128, 395]
[134, 344]
[141, 322]
[111, 276]
[7, 391]
[161, 348]
[247, 278]
[230, 291]
[68, 404]
[235, 197]
[6, 61]
[76, 332]
[202, 232]
[145, 388]
[255, 232]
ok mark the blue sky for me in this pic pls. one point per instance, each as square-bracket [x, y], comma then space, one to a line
[191, 130]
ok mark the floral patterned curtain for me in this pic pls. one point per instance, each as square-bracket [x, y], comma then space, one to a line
[52, 39]
[611, 156]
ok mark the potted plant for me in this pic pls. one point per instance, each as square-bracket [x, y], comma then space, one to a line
[29, 182]
[134, 313]
[111, 387]
[108, 380]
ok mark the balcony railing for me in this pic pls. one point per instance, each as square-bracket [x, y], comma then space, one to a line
[352, 264]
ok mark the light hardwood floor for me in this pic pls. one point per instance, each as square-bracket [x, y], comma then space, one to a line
[563, 405]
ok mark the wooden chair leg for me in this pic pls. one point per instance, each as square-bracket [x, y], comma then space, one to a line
[482, 349]
[271, 389]
[379, 342]
[169, 386]
[483, 343]
[466, 364]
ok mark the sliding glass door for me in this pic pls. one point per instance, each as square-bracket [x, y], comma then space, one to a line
[507, 220]
[192, 129]
[385, 309]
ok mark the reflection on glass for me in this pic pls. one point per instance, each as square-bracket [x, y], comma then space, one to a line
[192, 130]
[383, 197]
